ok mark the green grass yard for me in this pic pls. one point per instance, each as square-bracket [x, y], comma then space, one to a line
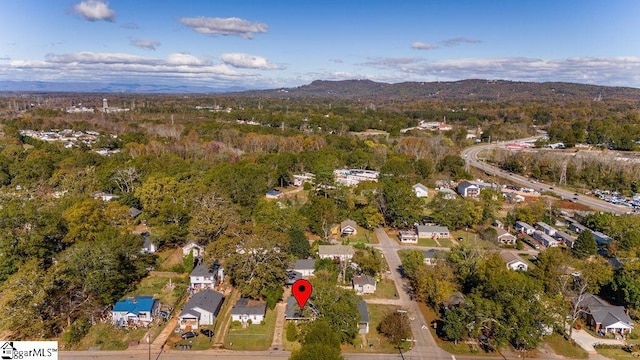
[385, 289]
[379, 342]
[254, 337]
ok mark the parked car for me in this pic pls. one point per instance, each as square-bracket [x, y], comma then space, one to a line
[189, 335]
[206, 332]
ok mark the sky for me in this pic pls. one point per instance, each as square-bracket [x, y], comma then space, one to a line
[273, 44]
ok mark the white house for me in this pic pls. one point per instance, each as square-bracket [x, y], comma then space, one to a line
[348, 227]
[201, 309]
[408, 236]
[468, 189]
[420, 190]
[432, 256]
[364, 284]
[192, 246]
[447, 193]
[249, 311]
[341, 252]
[148, 246]
[299, 180]
[522, 226]
[513, 261]
[432, 232]
[546, 228]
[206, 278]
[545, 239]
[305, 267]
[504, 237]
[134, 311]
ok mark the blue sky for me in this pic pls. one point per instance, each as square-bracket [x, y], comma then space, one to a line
[271, 44]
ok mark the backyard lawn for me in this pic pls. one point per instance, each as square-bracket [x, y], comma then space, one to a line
[254, 337]
[379, 342]
[363, 236]
[385, 289]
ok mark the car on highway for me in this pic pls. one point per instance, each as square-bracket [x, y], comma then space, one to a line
[189, 335]
[550, 187]
[576, 194]
[575, 199]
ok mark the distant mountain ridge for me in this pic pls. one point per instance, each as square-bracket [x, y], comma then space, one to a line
[472, 90]
[364, 90]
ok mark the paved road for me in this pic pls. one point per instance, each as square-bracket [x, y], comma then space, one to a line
[425, 346]
[471, 156]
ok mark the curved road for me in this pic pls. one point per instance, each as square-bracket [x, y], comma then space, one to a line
[471, 157]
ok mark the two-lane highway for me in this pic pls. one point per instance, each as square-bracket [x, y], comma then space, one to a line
[470, 155]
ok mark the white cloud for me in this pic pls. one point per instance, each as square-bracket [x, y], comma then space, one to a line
[423, 46]
[146, 44]
[94, 10]
[225, 26]
[459, 40]
[246, 61]
[614, 71]
[84, 66]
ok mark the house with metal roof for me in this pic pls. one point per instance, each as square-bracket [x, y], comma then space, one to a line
[420, 190]
[135, 311]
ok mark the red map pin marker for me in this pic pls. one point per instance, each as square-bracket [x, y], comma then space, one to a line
[302, 291]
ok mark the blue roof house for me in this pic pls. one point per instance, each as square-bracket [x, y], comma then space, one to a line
[135, 311]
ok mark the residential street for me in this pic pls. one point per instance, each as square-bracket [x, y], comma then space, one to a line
[424, 346]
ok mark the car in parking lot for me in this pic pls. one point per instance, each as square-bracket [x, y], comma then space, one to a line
[189, 335]
[206, 332]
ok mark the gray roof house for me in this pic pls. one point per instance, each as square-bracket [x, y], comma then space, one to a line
[363, 322]
[431, 232]
[342, 252]
[432, 256]
[513, 261]
[247, 310]
[293, 312]
[348, 227]
[306, 267]
[202, 277]
[604, 317]
[364, 284]
[467, 189]
[201, 309]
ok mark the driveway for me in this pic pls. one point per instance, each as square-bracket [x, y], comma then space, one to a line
[586, 340]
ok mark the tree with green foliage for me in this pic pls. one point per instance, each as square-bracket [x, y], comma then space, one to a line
[212, 214]
[368, 260]
[299, 244]
[399, 204]
[455, 324]
[322, 214]
[337, 306]
[585, 245]
[320, 341]
[395, 327]
[256, 261]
